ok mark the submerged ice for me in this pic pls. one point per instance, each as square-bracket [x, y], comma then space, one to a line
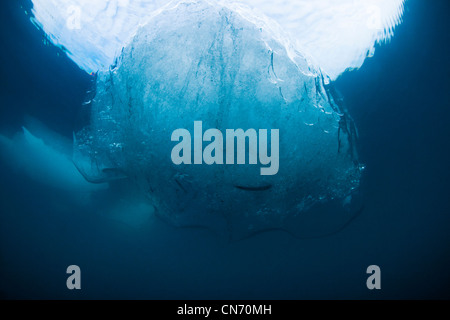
[204, 61]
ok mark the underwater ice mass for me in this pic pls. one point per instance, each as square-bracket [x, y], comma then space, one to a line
[229, 66]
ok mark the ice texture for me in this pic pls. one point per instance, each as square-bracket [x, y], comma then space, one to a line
[92, 32]
[203, 61]
[336, 34]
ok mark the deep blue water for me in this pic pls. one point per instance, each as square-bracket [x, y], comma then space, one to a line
[399, 100]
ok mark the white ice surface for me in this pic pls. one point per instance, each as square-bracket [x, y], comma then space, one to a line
[334, 34]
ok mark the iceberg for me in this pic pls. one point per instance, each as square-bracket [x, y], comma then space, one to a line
[229, 68]
[44, 157]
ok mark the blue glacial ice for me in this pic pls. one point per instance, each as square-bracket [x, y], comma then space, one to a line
[225, 66]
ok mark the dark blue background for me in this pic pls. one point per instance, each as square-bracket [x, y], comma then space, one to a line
[400, 102]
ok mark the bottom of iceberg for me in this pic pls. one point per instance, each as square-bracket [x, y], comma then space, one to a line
[203, 61]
